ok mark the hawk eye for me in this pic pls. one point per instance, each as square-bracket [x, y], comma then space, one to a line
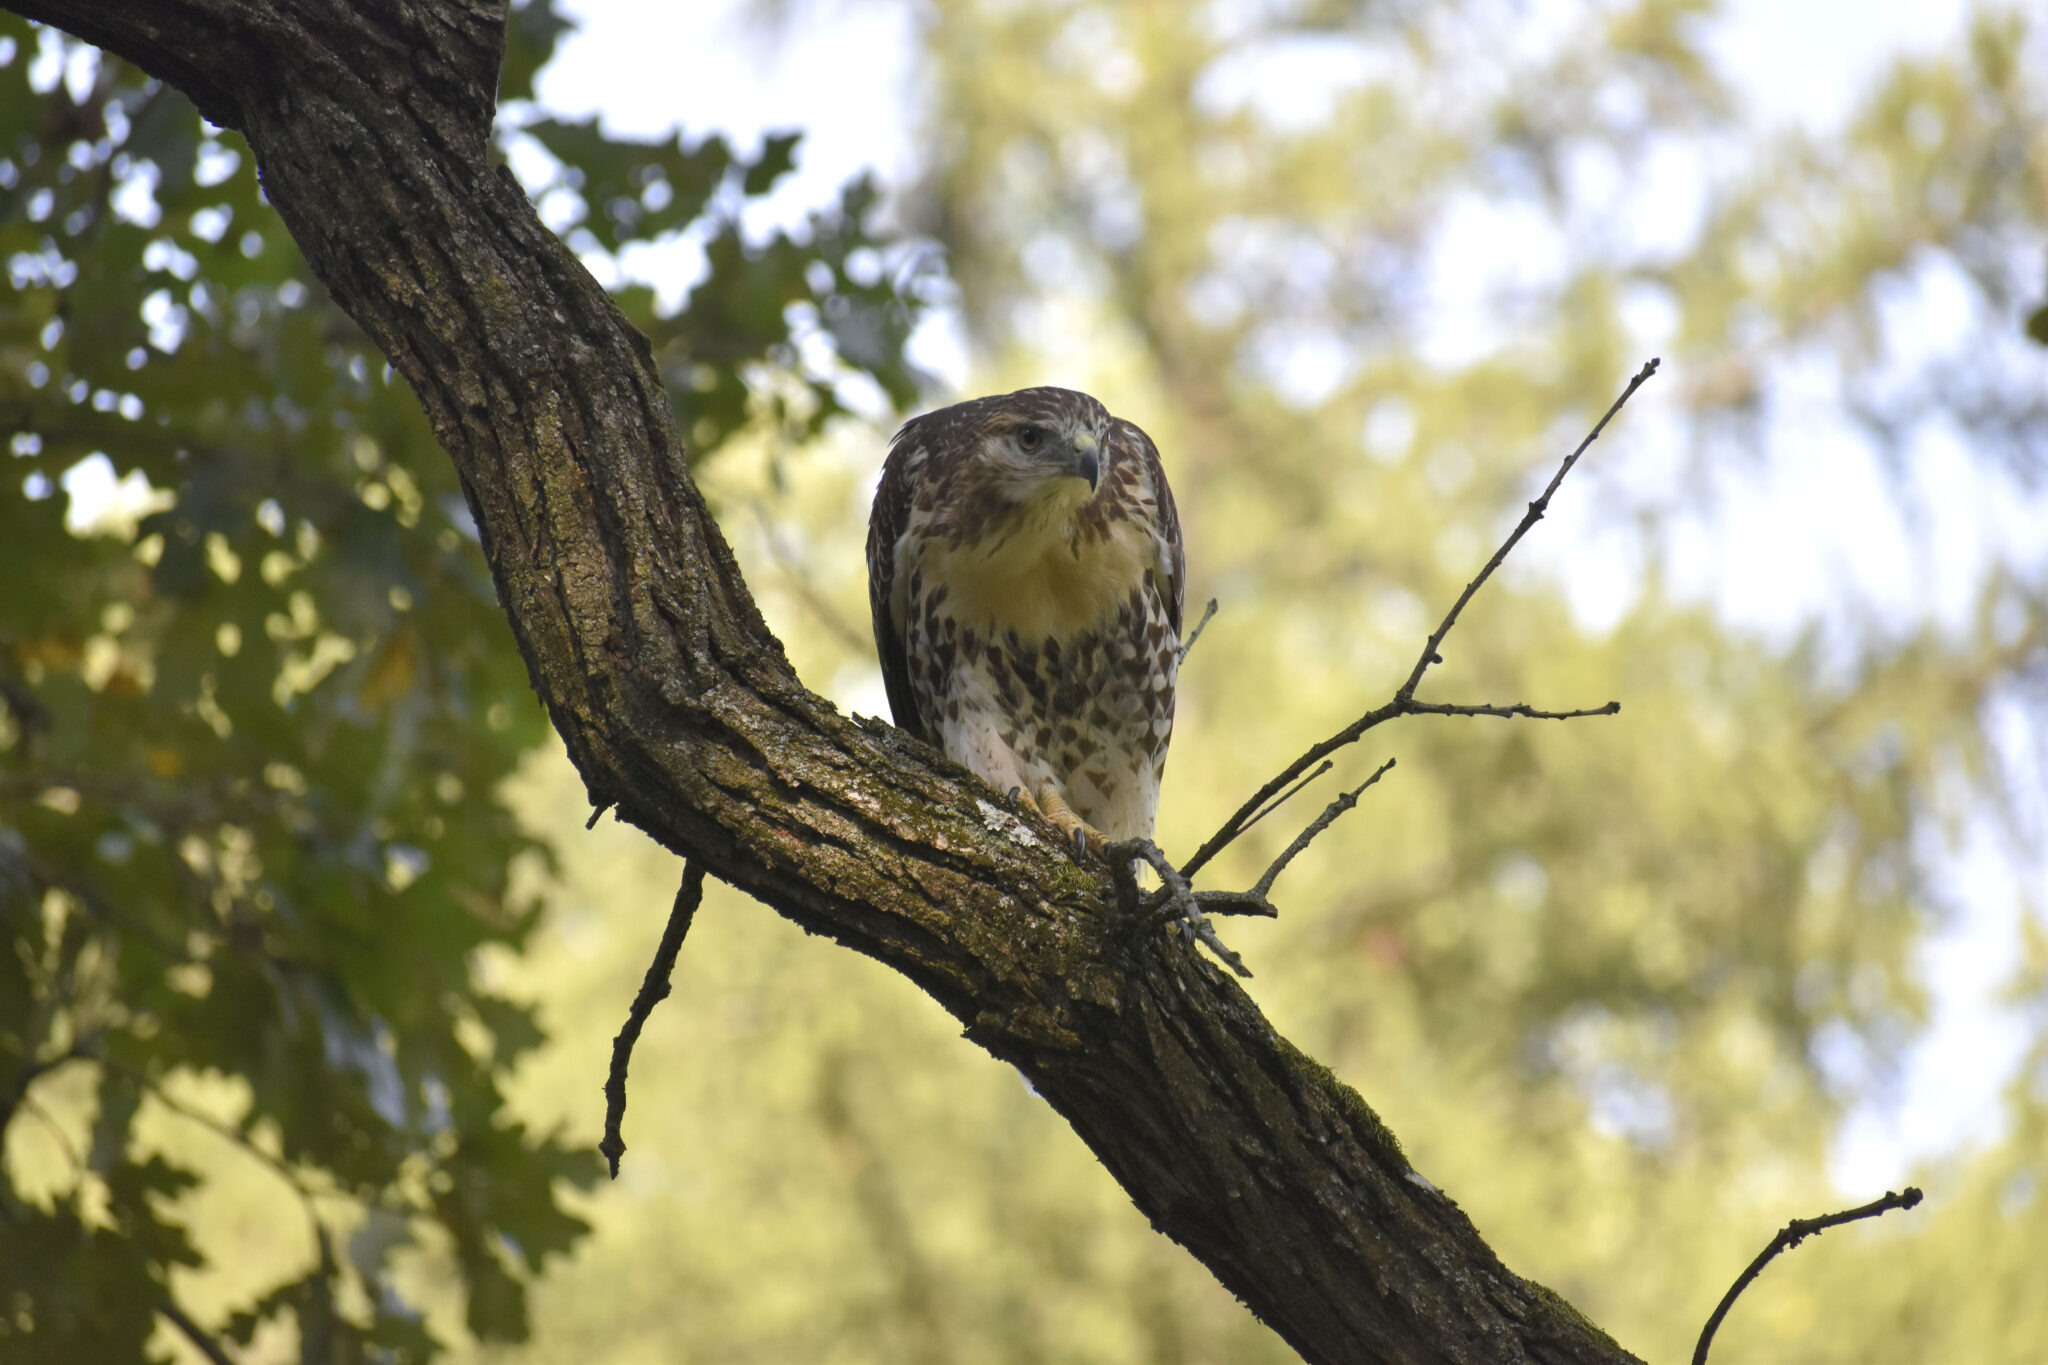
[1029, 438]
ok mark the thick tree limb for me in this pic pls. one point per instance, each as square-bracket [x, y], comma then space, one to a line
[369, 121]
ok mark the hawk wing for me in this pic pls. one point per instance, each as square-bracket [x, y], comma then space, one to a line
[1172, 561]
[886, 524]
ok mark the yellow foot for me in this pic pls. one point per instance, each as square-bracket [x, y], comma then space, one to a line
[1053, 806]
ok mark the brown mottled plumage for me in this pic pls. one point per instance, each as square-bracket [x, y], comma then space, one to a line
[1025, 573]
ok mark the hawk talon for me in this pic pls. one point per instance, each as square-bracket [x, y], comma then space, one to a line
[1081, 835]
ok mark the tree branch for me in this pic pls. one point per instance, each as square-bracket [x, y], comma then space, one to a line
[1522, 709]
[1529, 519]
[25, 1079]
[194, 1333]
[653, 990]
[1403, 702]
[1255, 901]
[369, 121]
[1195, 634]
[1790, 1236]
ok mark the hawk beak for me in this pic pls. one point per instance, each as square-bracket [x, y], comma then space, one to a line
[1085, 465]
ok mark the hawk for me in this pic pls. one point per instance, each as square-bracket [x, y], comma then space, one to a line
[1026, 578]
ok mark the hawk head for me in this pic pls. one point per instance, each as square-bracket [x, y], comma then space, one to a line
[1032, 451]
[1037, 454]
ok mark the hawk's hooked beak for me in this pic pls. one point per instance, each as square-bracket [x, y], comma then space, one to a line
[1083, 462]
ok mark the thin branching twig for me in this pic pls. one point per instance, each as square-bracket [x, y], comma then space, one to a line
[654, 989]
[1522, 709]
[1789, 1236]
[1403, 702]
[25, 1081]
[1257, 901]
[1277, 802]
[57, 1135]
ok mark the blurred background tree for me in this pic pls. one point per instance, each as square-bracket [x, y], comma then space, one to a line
[1364, 271]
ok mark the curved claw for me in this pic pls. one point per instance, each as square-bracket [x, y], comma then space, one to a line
[1084, 836]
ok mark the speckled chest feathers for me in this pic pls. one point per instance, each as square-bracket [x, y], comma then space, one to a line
[1026, 579]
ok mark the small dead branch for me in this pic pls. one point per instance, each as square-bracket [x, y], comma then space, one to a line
[1282, 799]
[654, 989]
[1256, 901]
[1789, 1236]
[1403, 702]
[1195, 634]
[1527, 712]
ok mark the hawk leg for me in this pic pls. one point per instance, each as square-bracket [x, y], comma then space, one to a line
[1053, 806]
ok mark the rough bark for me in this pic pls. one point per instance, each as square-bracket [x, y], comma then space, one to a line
[370, 122]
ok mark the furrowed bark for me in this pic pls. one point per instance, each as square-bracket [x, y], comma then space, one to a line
[369, 120]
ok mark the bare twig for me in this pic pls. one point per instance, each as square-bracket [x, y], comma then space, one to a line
[277, 1165]
[1789, 1236]
[1285, 796]
[194, 1333]
[227, 1133]
[1431, 708]
[1317, 826]
[1403, 702]
[1248, 903]
[1256, 901]
[653, 990]
[1529, 519]
[1195, 634]
[1180, 903]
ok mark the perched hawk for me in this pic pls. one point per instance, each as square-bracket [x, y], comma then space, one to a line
[1025, 572]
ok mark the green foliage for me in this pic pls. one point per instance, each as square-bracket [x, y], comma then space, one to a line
[761, 299]
[256, 706]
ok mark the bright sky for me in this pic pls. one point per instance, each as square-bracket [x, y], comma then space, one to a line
[845, 73]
